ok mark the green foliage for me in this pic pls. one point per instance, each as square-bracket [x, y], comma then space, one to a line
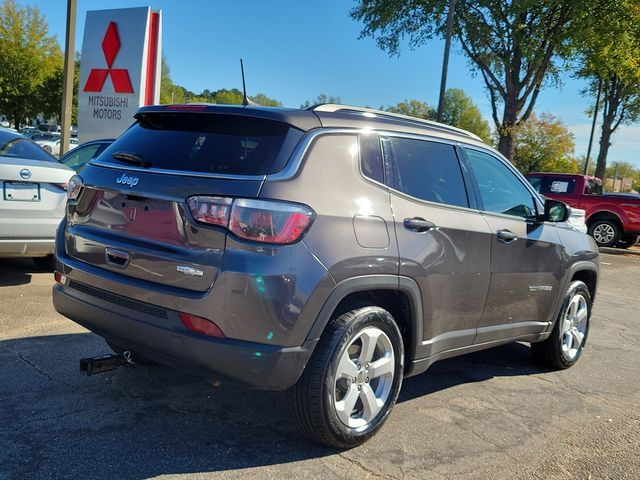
[413, 108]
[512, 44]
[30, 63]
[322, 98]
[459, 111]
[544, 145]
[607, 43]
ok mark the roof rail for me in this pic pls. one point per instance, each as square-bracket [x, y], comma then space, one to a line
[334, 107]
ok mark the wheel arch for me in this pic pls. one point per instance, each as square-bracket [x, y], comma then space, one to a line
[399, 295]
[606, 214]
[584, 271]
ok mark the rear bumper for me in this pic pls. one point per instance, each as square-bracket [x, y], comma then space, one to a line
[26, 247]
[27, 237]
[158, 334]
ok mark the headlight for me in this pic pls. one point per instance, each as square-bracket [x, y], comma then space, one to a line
[74, 187]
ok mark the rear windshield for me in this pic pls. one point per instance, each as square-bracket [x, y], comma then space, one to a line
[16, 146]
[207, 143]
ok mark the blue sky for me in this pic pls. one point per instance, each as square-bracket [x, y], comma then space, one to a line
[295, 50]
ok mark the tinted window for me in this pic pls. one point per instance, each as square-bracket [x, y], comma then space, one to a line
[593, 187]
[425, 170]
[371, 157]
[557, 185]
[501, 191]
[208, 143]
[17, 146]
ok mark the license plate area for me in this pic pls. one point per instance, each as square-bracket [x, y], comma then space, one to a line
[21, 192]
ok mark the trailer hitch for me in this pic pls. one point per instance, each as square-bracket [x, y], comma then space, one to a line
[105, 363]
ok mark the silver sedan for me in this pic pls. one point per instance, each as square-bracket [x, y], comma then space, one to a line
[33, 197]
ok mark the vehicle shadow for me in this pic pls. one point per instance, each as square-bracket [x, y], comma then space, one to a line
[512, 359]
[148, 421]
[16, 271]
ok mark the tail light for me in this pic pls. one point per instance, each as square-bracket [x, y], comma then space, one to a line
[74, 187]
[264, 221]
[201, 325]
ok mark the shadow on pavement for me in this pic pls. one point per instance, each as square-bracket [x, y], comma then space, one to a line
[148, 421]
[16, 271]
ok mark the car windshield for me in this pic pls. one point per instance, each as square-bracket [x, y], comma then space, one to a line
[17, 146]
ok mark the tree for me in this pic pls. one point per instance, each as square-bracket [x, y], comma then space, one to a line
[511, 43]
[262, 99]
[28, 58]
[609, 56]
[322, 98]
[459, 111]
[544, 145]
[413, 108]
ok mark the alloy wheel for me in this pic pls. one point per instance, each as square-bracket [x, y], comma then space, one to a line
[364, 377]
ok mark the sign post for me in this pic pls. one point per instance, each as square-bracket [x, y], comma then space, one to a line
[119, 69]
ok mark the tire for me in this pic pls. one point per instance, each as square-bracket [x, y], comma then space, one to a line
[571, 326]
[45, 263]
[135, 356]
[336, 374]
[606, 232]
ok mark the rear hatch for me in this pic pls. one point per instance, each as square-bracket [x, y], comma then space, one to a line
[131, 215]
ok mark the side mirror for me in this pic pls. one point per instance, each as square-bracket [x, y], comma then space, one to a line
[555, 211]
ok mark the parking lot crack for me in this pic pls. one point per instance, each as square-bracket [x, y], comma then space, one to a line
[37, 368]
[368, 471]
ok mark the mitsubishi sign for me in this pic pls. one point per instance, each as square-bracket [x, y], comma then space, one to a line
[119, 69]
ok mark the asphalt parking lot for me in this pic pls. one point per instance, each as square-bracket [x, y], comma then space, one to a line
[492, 414]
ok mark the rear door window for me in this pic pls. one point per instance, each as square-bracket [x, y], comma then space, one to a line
[425, 170]
[207, 143]
[593, 187]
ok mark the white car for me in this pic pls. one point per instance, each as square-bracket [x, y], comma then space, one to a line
[577, 218]
[33, 199]
[53, 146]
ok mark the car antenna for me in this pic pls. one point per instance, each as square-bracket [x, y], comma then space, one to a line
[245, 99]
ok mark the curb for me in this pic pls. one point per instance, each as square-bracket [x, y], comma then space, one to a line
[633, 251]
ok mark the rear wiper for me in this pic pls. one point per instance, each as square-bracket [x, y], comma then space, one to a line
[131, 158]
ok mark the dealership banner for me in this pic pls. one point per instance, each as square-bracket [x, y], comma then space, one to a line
[119, 69]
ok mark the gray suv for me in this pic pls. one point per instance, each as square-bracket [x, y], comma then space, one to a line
[332, 251]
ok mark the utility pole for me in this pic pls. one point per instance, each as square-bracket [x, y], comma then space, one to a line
[615, 178]
[445, 60]
[593, 127]
[67, 82]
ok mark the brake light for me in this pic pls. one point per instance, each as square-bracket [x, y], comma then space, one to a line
[201, 325]
[264, 221]
[74, 187]
[212, 210]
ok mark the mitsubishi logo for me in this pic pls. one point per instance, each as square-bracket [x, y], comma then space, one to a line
[119, 76]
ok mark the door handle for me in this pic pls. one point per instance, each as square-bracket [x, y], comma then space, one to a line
[506, 236]
[418, 224]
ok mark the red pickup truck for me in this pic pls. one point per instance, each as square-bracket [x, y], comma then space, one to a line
[613, 219]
